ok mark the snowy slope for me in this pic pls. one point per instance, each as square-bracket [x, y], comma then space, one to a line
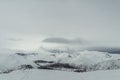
[77, 60]
[29, 66]
[60, 75]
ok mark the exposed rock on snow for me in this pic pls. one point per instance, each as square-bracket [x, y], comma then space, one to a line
[79, 61]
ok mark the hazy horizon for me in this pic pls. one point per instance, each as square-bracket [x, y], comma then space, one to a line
[26, 24]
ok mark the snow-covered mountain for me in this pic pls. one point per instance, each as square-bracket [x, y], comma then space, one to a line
[68, 60]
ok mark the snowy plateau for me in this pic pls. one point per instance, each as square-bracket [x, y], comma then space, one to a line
[60, 65]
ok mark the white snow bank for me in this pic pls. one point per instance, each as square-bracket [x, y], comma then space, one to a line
[60, 75]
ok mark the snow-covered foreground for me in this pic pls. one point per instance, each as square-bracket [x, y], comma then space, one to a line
[81, 61]
[60, 65]
[35, 74]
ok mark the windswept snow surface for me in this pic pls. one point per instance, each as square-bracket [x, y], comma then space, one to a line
[99, 60]
[35, 74]
[96, 60]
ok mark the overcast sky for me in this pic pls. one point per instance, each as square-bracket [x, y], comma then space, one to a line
[25, 23]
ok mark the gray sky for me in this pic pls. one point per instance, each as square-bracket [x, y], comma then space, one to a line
[25, 23]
